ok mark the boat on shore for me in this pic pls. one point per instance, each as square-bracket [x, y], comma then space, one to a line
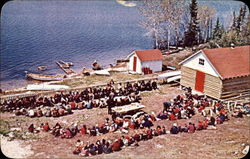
[96, 66]
[69, 63]
[42, 77]
[102, 72]
[42, 68]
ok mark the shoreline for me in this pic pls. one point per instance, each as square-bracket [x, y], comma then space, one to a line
[15, 148]
[172, 59]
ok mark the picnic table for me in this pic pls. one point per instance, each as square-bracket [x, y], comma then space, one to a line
[127, 108]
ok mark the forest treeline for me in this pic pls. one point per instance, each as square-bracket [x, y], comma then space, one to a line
[188, 24]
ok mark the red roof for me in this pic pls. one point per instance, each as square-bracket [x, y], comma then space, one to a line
[149, 55]
[230, 62]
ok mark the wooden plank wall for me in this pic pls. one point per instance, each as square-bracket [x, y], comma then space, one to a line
[187, 77]
[236, 86]
[212, 84]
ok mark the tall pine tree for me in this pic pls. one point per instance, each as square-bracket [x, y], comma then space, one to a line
[218, 30]
[192, 34]
[240, 19]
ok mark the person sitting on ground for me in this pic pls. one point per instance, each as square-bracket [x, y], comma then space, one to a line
[159, 130]
[116, 146]
[162, 115]
[212, 121]
[31, 113]
[191, 128]
[39, 112]
[200, 125]
[107, 147]
[79, 147]
[238, 114]
[54, 112]
[147, 122]
[83, 130]
[56, 130]
[205, 123]
[31, 128]
[68, 134]
[184, 129]
[172, 116]
[46, 127]
[61, 112]
[174, 129]
[17, 112]
[149, 133]
[99, 147]
[93, 131]
[92, 150]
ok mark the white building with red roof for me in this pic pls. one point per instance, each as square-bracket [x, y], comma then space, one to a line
[145, 61]
[219, 73]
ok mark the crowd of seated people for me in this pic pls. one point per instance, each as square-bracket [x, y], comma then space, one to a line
[101, 97]
[118, 124]
[105, 147]
[183, 107]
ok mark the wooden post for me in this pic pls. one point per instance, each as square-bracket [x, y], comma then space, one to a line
[211, 112]
[228, 106]
[235, 104]
[213, 103]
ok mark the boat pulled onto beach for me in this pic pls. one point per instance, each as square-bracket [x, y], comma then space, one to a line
[42, 68]
[42, 77]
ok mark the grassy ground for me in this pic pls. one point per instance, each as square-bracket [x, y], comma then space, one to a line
[96, 80]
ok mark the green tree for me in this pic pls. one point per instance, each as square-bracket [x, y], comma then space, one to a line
[192, 34]
[240, 19]
[218, 30]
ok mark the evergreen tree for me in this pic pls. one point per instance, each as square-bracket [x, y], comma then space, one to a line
[218, 30]
[240, 19]
[234, 21]
[246, 31]
[192, 34]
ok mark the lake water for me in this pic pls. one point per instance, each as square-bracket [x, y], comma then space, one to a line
[35, 33]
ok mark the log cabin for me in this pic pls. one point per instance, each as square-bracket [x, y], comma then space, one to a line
[218, 73]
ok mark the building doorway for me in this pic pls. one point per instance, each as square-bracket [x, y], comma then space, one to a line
[134, 63]
[199, 81]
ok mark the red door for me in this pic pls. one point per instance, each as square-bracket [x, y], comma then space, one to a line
[199, 81]
[134, 65]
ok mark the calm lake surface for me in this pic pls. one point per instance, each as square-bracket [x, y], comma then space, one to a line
[35, 33]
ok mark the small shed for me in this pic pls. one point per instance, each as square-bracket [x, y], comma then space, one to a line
[145, 61]
[218, 73]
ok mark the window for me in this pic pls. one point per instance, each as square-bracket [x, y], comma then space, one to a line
[201, 61]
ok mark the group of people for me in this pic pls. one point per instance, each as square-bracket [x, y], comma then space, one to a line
[143, 125]
[183, 107]
[62, 103]
[118, 124]
[108, 146]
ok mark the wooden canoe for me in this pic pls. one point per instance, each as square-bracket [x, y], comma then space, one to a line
[42, 77]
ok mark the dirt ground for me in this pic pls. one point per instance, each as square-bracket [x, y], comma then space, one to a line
[227, 141]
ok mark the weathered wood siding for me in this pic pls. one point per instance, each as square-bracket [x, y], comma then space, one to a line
[212, 84]
[236, 85]
[187, 77]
